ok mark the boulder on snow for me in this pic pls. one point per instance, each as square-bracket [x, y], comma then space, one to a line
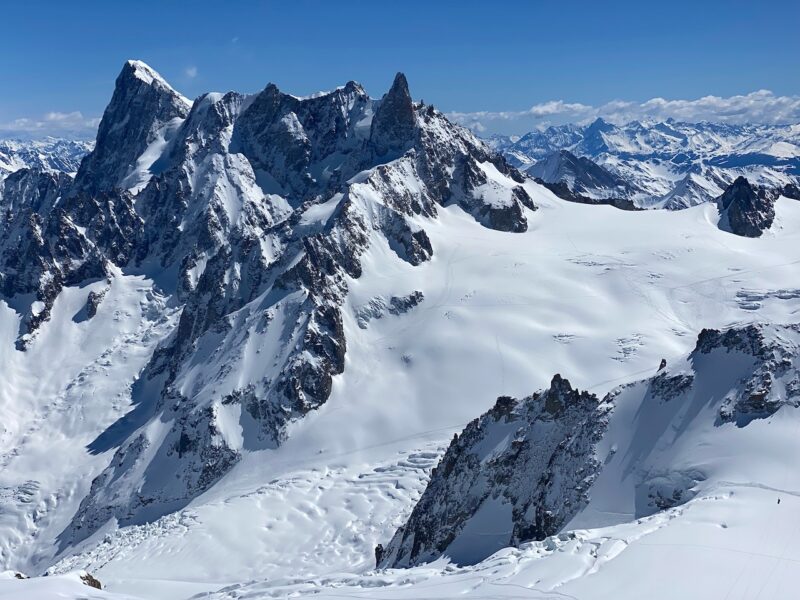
[91, 581]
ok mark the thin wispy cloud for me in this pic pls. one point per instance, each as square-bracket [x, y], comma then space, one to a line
[54, 123]
[190, 72]
[760, 107]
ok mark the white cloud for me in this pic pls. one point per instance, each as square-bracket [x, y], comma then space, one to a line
[71, 124]
[761, 107]
[191, 72]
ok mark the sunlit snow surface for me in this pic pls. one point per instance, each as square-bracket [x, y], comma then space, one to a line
[596, 294]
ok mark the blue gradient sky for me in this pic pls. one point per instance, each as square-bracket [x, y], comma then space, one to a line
[467, 56]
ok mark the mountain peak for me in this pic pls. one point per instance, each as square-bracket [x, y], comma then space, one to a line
[400, 85]
[599, 124]
[141, 71]
[142, 103]
[394, 121]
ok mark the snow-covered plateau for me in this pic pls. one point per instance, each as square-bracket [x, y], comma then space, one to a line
[236, 346]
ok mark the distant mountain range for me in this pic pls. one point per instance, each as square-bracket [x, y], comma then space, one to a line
[53, 154]
[665, 164]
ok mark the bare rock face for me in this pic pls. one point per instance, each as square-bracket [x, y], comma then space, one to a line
[51, 239]
[744, 211]
[91, 581]
[790, 190]
[394, 122]
[523, 468]
[142, 104]
[773, 381]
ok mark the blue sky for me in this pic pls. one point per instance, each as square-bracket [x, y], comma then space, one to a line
[496, 59]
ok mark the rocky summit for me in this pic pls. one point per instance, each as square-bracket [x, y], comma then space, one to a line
[744, 210]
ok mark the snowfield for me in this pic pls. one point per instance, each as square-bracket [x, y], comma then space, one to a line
[594, 293]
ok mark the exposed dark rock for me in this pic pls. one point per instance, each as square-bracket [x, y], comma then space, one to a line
[745, 212]
[531, 459]
[790, 190]
[93, 302]
[377, 307]
[393, 126]
[87, 579]
[562, 190]
[773, 381]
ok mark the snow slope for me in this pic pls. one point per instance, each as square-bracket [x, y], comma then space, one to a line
[501, 314]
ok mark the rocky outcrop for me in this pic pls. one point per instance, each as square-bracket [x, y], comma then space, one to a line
[790, 190]
[772, 382]
[143, 104]
[393, 125]
[744, 211]
[379, 306]
[49, 240]
[527, 468]
[524, 467]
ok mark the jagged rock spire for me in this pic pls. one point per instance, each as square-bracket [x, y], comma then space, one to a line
[394, 121]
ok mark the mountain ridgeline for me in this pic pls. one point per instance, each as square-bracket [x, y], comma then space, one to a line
[252, 211]
[656, 164]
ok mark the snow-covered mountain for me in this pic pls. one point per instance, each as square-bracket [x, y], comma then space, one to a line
[668, 164]
[253, 213]
[53, 154]
[238, 342]
[581, 175]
